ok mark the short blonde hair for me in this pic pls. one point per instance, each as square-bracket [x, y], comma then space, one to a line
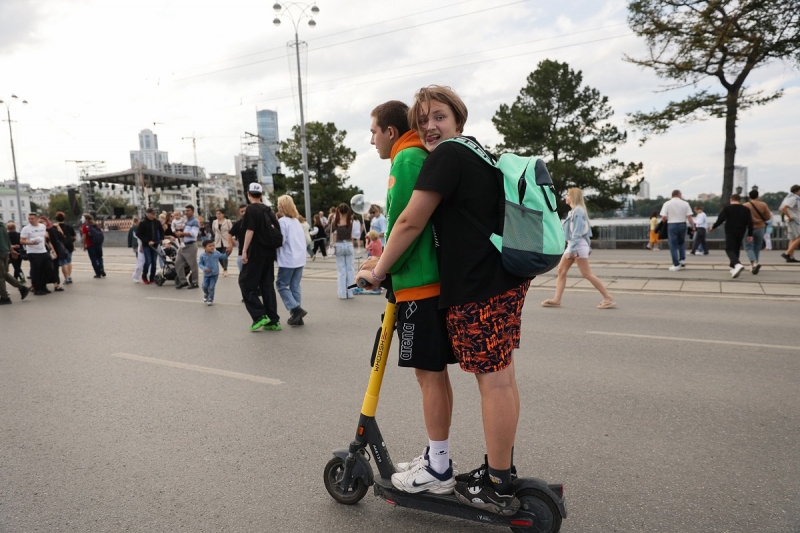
[287, 207]
[373, 235]
[442, 94]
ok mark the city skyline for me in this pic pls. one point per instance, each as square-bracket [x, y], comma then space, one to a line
[89, 91]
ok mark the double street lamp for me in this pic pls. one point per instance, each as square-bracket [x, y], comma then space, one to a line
[296, 12]
[13, 155]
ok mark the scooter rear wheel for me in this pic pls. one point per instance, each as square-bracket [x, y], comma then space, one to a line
[546, 518]
[333, 475]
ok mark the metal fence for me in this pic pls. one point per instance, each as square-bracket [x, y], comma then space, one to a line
[637, 236]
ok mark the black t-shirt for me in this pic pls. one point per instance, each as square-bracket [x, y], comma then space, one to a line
[470, 267]
[256, 218]
[68, 239]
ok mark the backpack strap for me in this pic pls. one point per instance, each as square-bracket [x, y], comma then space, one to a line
[495, 239]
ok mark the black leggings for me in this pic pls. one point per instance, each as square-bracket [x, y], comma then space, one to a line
[319, 244]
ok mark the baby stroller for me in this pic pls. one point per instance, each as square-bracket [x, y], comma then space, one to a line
[167, 253]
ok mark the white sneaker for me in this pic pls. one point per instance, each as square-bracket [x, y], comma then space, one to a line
[735, 271]
[682, 264]
[422, 478]
[210, 302]
[404, 467]
[674, 268]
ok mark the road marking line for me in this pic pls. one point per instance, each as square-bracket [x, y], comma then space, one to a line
[206, 370]
[733, 343]
[187, 301]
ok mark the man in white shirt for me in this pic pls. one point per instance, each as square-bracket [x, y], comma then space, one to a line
[790, 207]
[33, 237]
[677, 213]
[701, 223]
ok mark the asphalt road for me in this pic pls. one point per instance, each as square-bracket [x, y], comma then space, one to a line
[138, 408]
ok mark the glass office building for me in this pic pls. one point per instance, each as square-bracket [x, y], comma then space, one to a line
[268, 144]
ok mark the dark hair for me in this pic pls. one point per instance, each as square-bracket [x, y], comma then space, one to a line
[698, 206]
[392, 113]
[220, 211]
[150, 210]
[60, 216]
[243, 206]
[654, 214]
[189, 206]
[207, 242]
[676, 193]
[795, 188]
[753, 194]
[736, 198]
[254, 194]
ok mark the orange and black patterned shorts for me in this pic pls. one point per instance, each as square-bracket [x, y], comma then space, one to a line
[484, 334]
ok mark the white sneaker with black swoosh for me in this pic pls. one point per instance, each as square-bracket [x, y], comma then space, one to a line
[422, 478]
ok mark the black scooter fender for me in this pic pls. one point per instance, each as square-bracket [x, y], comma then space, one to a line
[361, 469]
[543, 486]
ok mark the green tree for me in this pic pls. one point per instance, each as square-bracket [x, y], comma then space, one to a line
[565, 123]
[691, 41]
[60, 202]
[328, 161]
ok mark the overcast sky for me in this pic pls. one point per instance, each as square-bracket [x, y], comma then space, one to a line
[97, 72]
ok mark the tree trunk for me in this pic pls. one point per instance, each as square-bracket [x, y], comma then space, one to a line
[732, 105]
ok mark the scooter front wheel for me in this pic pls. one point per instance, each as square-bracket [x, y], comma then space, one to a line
[334, 471]
[542, 511]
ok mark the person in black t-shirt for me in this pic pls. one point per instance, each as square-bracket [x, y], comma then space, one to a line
[257, 278]
[738, 220]
[483, 301]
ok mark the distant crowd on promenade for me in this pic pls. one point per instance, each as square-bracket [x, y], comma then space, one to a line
[748, 225]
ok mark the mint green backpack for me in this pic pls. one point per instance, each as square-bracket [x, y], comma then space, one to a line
[533, 239]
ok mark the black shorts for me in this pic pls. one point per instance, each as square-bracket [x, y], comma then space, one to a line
[422, 335]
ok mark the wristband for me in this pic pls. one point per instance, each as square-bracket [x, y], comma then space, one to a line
[372, 273]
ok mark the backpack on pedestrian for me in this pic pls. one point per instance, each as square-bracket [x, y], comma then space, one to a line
[96, 234]
[274, 237]
[533, 240]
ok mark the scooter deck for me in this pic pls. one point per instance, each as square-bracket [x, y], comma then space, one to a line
[445, 504]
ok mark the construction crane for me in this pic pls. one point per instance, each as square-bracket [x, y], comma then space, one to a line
[194, 147]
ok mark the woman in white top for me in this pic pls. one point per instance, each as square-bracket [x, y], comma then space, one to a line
[578, 232]
[291, 260]
[221, 228]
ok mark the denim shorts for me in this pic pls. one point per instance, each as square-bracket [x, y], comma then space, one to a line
[64, 262]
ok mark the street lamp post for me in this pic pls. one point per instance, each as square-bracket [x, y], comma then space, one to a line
[301, 10]
[13, 155]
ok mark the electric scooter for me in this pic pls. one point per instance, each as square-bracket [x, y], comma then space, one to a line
[349, 474]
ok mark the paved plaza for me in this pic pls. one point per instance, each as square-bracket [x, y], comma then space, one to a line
[138, 408]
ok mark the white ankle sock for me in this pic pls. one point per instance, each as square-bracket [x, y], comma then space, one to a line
[439, 455]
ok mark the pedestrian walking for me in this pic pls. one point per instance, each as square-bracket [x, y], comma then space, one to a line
[33, 237]
[578, 232]
[343, 232]
[68, 238]
[6, 252]
[237, 235]
[221, 228]
[17, 252]
[319, 238]
[790, 207]
[291, 260]
[256, 280]
[187, 255]
[209, 263]
[132, 242]
[149, 232]
[677, 213]
[56, 250]
[738, 221]
[653, 243]
[701, 223]
[92, 237]
[760, 214]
